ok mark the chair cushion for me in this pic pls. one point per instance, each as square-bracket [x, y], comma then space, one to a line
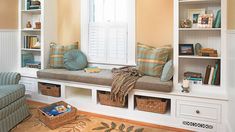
[75, 60]
[103, 78]
[10, 93]
[150, 60]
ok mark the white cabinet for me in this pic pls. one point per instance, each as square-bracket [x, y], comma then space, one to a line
[30, 85]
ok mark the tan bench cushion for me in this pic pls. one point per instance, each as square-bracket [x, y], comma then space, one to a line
[103, 78]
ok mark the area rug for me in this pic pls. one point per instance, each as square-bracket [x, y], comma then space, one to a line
[83, 123]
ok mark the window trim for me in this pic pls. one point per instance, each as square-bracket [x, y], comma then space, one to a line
[131, 42]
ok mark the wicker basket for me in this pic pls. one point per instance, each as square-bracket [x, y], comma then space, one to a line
[151, 104]
[54, 122]
[104, 99]
[49, 89]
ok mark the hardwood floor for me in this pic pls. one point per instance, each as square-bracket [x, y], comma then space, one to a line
[120, 119]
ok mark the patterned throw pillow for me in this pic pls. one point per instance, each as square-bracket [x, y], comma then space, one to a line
[150, 60]
[57, 56]
[57, 52]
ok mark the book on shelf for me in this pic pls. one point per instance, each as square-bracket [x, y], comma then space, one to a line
[30, 42]
[207, 75]
[212, 76]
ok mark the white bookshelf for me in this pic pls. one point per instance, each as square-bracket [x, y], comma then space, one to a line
[47, 15]
[208, 37]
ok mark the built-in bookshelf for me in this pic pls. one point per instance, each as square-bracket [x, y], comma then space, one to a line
[211, 38]
[37, 28]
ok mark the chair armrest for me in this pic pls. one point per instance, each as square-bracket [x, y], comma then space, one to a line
[9, 78]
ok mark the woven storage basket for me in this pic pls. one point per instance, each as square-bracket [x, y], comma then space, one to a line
[54, 122]
[104, 99]
[151, 104]
[49, 89]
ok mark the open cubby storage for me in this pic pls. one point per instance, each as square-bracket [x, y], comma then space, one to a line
[79, 94]
[49, 89]
[105, 99]
[152, 104]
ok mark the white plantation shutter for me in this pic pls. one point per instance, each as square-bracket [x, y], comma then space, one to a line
[107, 43]
[97, 43]
[108, 31]
[117, 44]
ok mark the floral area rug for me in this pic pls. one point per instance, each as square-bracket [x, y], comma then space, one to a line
[83, 123]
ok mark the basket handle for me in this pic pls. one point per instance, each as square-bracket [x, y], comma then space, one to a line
[48, 87]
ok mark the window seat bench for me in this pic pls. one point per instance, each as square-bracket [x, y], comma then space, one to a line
[103, 78]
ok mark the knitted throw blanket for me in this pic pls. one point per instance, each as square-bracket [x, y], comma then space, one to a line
[124, 80]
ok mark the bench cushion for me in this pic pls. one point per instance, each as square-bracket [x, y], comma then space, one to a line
[103, 78]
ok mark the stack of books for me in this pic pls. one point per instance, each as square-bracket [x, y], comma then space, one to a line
[193, 77]
[30, 42]
[212, 76]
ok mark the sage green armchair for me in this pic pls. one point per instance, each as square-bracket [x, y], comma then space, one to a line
[13, 108]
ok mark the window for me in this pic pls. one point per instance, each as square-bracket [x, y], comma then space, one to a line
[108, 31]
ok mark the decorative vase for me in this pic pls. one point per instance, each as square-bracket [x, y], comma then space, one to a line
[28, 25]
[198, 48]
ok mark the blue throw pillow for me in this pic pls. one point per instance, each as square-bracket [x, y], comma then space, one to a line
[168, 71]
[75, 60]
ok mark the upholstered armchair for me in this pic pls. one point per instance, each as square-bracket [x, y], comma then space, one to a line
[13, 108]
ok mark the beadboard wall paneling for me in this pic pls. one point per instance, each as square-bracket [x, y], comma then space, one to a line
[8, 50]
[230, 77]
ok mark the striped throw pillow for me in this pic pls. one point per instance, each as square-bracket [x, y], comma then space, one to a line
[57, 56]
[150, 60]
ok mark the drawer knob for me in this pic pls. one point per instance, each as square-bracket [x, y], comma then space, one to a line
[197, 111]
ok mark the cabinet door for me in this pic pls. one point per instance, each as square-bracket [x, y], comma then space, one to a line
[30, 84]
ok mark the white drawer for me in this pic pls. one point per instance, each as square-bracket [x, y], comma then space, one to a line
[198, 110]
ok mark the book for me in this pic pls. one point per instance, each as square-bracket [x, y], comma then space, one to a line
[214, 75]
[217, 78]
[211, 75]
[207, 75]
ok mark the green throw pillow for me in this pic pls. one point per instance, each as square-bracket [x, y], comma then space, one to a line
[150, 60]
[168, 71]
[75, 60]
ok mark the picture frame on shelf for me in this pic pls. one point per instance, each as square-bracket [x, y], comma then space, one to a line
[205, 21]
[186, 49]
[193, 15]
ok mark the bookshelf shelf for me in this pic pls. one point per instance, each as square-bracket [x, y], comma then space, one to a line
[200, 29]
[26, 49]
[36, 11]
[198, 1]
[199, 57]
[30, 30]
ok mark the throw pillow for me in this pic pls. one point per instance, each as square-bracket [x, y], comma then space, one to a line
[167, 72]
[75, 60]
[150, 60]
[57, 56]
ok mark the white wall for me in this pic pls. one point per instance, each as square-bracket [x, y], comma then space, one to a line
[8, 50]
[231, 79]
